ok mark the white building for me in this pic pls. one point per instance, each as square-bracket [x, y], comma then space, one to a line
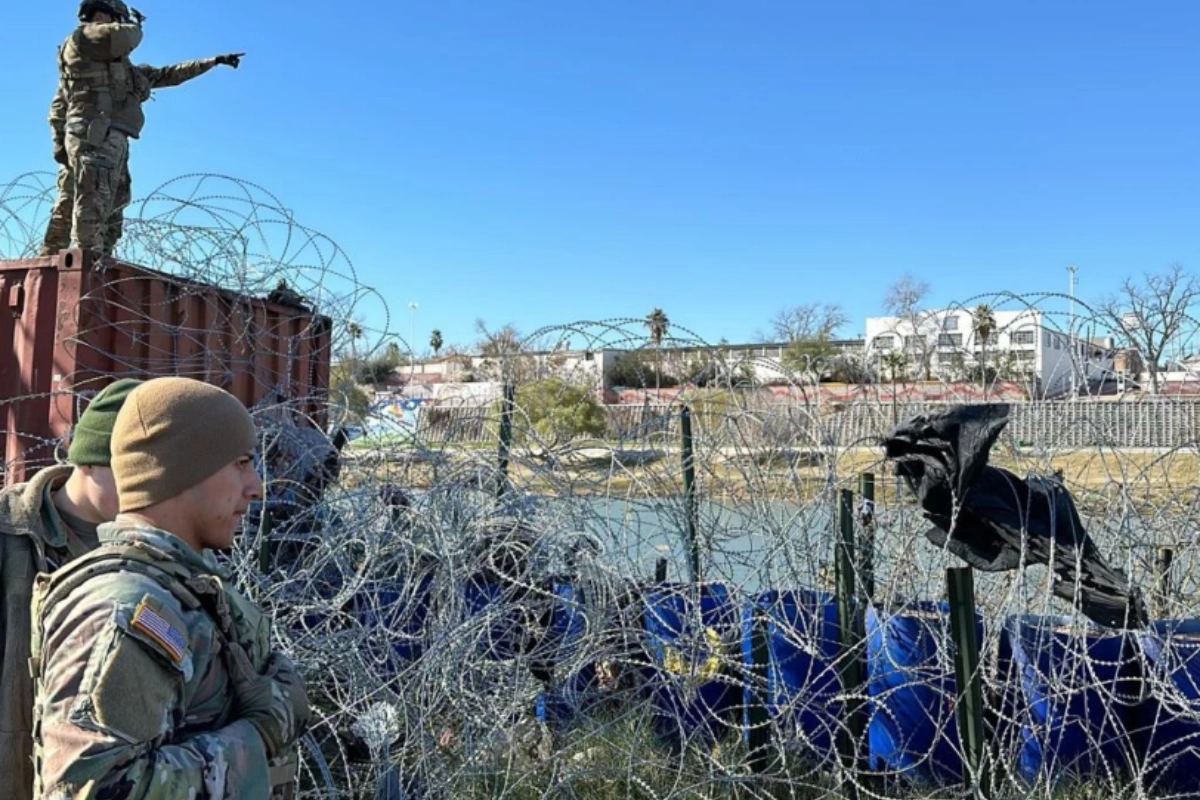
[943, 345]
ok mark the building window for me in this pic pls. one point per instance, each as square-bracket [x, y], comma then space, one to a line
[1024, 338]
[950, 324]
[950, 340]
[954, 360]
[885, 342]
[914, 342]
[588, 355]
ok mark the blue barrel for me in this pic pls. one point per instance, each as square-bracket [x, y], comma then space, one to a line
[802, 676]
[910, 665]
[1079, 685]
[503, 630]
[1168, 722]
[397, 615]
[571, 694]
[693, 637]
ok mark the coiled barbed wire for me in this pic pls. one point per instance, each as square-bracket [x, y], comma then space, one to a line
[472, 582]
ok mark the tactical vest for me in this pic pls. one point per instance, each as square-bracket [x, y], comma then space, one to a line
[101, 94]
[193, 592]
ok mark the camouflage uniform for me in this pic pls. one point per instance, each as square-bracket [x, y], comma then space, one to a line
[134, 696]
[102, 206]
[34, 538]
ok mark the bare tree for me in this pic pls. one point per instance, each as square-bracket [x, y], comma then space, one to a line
[1154, 315]
[502, 350]
[811, 321]
[905, 299]
[906, 296]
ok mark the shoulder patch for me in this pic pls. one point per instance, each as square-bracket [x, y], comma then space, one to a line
[152, 624]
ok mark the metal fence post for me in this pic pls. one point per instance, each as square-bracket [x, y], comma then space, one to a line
[960, 587]
[506, 435]
[852, 640]
[758, 715]
[866, 546]
[690, 508]
[1164, 590]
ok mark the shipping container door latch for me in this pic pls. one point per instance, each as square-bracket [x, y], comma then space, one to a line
[16, 299]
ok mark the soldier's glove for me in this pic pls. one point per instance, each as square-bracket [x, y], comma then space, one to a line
[230, 59]
[60, 154]
[274, 703]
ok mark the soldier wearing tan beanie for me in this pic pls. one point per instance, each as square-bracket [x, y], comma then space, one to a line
[158, 627]
[175, 433]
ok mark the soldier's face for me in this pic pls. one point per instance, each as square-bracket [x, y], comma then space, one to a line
[218, 504]
[101, 17]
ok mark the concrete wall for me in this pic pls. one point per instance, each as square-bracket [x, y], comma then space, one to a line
[1052, 425]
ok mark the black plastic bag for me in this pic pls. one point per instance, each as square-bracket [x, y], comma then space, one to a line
[983, 514]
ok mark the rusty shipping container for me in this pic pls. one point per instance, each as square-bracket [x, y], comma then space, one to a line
[67, 331]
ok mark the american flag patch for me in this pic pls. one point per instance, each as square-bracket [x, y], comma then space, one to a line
[148, 621]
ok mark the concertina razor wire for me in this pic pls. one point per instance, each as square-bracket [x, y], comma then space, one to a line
[474, 630]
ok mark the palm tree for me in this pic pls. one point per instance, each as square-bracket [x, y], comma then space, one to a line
[658, 324]
[435, 341]
[356, 332]
[983, 324]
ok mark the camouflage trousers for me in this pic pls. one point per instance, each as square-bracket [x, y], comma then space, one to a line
[93, 190]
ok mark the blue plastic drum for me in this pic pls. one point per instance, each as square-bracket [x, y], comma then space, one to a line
[802, 676]
[693, 637]
[1168, 722]
[396, 617]
[1079, 686]
[571, 693]
[913, 730]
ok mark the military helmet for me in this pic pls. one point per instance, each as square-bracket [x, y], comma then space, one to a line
[115, 8]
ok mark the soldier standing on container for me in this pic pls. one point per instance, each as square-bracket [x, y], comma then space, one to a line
[44, 524]
[96, 110]
[155, 678]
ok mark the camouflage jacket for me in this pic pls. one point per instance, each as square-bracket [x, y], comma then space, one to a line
[33, 539]
[144, 80]
[96, 76]
[134, 698]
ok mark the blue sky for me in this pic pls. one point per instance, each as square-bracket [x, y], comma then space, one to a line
[543, 162]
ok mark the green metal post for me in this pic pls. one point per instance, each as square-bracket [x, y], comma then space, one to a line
[1165, 591]
[690, 508]
[264, 539]
[866, 546]
[960, 587]
[852, 640]
[758, 715]
[506, 435]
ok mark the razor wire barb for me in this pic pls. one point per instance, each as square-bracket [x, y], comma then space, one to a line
[465, 642]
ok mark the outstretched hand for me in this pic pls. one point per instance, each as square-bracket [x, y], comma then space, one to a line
[231, 59]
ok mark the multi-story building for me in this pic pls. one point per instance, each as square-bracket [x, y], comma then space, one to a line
[944, 345]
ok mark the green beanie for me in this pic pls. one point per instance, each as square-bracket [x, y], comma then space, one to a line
[91, 440]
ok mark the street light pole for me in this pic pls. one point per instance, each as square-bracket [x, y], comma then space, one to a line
[1074, 344]
[412, 341]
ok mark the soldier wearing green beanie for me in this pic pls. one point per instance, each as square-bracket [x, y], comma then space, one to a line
[44, 524]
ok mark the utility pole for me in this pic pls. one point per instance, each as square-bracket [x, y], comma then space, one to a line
[412, 342]
[1073, 270]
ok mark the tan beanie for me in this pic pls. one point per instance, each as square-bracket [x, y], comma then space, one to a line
[173, 434]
